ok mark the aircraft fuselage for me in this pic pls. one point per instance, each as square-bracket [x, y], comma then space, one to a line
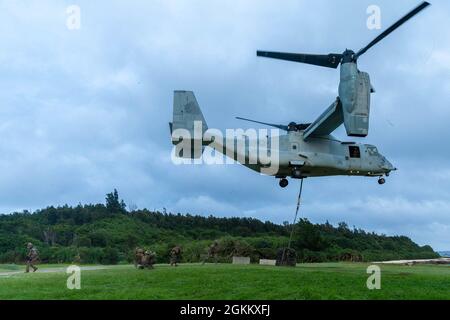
[319, 156]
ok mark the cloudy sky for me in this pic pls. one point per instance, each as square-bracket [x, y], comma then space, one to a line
[85, 111]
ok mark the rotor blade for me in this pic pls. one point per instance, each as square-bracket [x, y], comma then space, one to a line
[331, 60]
[279, 126]
[392, 28]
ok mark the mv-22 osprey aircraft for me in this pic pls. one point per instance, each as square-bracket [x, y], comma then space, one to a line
[309, 150]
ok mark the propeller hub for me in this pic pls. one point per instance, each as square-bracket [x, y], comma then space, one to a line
[348, 56]
[292, 126]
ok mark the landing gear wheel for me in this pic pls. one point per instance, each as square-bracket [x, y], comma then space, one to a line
[381, 181]
[284, 183]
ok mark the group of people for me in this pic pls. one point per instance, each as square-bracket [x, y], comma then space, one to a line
[143, 259]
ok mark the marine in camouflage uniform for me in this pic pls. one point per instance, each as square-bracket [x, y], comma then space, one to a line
[148, 260]
[175, 255]
[32, 258]
[138, 255]
[77, 259]
[213, 252]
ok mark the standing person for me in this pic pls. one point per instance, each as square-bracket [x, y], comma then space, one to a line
[175, 254]
[213, 252]
[138, 255]
[77, 259]
[32, 258]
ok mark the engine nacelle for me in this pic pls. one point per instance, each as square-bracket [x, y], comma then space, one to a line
[354, 93]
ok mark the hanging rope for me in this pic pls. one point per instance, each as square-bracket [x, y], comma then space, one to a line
[295, 220]
[296, 213]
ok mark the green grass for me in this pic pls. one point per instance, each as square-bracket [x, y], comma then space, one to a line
[309, 281]
[17, 267]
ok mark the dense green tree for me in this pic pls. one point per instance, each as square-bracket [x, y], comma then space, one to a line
[308, 236]
[114, 204]
[105, 234]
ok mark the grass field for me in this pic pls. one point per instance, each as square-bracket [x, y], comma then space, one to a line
[309, 281]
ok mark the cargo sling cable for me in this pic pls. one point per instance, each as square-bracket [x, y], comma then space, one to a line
[295, 220]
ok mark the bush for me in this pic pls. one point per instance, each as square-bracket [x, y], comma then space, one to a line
[109, 256]
[83, 241]
[90, 255]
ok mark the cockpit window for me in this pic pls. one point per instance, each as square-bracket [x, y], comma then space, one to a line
[355, 152]
[373, 151]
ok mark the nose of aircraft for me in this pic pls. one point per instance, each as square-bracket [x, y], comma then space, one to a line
[387, 165]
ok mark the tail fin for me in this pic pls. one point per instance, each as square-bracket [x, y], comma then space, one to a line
[187, 116]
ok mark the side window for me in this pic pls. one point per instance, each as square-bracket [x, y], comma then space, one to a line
[355, 152]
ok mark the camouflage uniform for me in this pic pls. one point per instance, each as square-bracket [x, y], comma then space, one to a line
[148, 260]
[175, 254]
[32, 258]
[213, 252]
[138, 255]
[77, 259]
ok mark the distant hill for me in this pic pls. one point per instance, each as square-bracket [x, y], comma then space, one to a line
[444, 253]
[108, 233]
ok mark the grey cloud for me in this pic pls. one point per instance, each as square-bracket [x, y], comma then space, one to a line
[86, 111]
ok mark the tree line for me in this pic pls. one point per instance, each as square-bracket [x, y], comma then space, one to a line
[108, 234]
